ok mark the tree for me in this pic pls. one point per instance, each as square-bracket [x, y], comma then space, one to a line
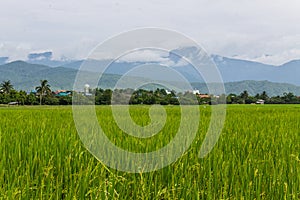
[264, 96]
[244, 96]
[43, 89]
[6, 87]
[289, 98]
[22, 97]
[31, 99]
[231, 98]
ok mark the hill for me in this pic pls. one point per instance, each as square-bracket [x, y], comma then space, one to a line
[26, 76]
[239, 70]
[231, 69]
[254, 87]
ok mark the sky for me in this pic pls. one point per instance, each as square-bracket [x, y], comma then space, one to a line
[267, 31]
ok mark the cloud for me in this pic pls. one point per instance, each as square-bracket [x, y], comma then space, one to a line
[248, 27]
[274, 50]
[147, 56]
[280, 58]
[15, 51]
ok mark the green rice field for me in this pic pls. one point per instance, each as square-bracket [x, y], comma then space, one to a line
[257, 156]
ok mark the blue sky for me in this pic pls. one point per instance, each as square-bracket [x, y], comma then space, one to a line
[262, 30]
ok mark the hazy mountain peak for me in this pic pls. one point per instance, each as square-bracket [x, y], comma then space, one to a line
[292, 63]
[40, 56]
[3, 60]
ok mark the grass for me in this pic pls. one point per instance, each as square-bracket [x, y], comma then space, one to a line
[256, 157]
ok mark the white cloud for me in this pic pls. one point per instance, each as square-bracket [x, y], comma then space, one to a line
[15, 51]
[249, 28]
[274, 50]
[147, 56]
[279, 59]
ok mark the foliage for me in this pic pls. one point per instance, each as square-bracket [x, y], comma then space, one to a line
[6, 87]
[43, 90]
[99, 96]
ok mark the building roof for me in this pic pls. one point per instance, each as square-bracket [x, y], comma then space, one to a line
[203, 96]
[59, 91]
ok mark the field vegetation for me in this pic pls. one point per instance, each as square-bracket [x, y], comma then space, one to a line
[256, 157]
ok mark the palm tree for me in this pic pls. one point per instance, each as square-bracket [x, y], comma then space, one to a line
[43, 89]
[6, 87]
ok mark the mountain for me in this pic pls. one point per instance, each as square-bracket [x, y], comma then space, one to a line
[254, 87]
[26, 76]
[235, 72]
[292, 64]
[239, 70]
[72, 65]
[40, 56]
[50, 63]
[3, 60]
[45, 58]
[231, 69]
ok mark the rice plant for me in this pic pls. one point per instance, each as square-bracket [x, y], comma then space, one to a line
[256, 157]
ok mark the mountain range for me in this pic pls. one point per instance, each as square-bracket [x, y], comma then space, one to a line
[238, 75]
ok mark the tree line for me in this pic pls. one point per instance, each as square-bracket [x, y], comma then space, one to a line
[43, 95]
[245, 98]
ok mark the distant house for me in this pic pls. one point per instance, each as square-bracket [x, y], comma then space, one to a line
[168, 92]
[13, 103]
[62, 93]
[87, 90]
[31, 92]
[260, 101]
[203, 96]
[196, 91]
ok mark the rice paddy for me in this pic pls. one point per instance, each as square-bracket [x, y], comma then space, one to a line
[257, 156]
